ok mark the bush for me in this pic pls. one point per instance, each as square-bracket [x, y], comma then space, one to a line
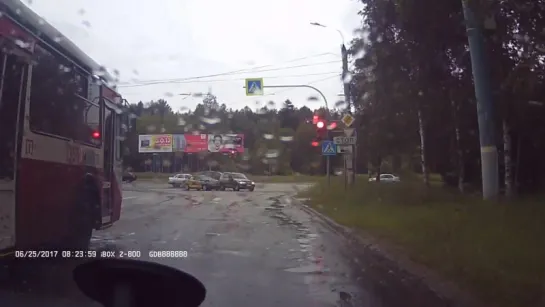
[494, 249]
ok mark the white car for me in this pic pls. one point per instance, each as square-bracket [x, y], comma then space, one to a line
[178, 180]
[385, 178]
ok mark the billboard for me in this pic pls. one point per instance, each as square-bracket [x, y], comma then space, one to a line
[226, 143]
[150, 143]
[194, 143]
[178, 143]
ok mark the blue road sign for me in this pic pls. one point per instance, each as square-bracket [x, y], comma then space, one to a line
[254, 87]
[329, 148]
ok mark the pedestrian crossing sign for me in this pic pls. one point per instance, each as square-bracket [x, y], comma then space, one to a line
[329, 148]
[254, 87]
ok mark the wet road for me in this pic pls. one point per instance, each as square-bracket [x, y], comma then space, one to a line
[248, 248]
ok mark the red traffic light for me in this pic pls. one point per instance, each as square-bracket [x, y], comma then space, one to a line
[96, 135]
[315, 119]
[332, 126]
[320, 124]
[315, 144]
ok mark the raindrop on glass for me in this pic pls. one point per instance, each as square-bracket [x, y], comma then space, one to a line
[211, 121]
[360, 54]
[286, 138]
[347, 78]
[272, 153]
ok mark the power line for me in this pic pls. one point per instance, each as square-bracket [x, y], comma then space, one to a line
[239, 79]
[246, 69]
[181, 80]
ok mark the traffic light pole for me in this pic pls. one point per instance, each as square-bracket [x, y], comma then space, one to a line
[328, 117]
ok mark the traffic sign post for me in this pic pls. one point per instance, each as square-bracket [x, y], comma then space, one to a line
[344, 140]
[254, 87]
[348, 143]
[347, 120]
[329, 148]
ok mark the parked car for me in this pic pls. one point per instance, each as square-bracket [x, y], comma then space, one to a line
[178, 180]
[211, 174]
[128, 177]
[385, 178]
[202, 182]
[236, 181]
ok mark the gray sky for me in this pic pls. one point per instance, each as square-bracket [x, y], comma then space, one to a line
[177, 40]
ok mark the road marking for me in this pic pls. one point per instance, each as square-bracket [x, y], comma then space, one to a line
[130, 197]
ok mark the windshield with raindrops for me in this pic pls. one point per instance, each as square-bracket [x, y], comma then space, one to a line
[325, 153]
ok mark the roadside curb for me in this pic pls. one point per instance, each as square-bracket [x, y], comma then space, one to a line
[442, 288]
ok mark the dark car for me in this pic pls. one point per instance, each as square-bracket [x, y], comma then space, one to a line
[236, 181]
[128, 177]
[211, 174]
[202, 182]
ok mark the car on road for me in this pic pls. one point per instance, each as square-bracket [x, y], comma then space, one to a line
[236, 182]
[128, 177]
[202, 182]
[385, 178]
[211, 174]
[178, 180]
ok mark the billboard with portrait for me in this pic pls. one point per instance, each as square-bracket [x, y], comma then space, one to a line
[153, 143]
[225, 143]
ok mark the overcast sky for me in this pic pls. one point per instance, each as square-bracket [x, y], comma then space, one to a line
[171, 42]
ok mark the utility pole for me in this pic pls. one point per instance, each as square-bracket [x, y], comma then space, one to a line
[483, 93]
[348, 157]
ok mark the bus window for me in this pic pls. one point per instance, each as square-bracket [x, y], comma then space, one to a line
[58, 104]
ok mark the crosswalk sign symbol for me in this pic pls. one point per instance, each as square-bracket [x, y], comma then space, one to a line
[254, 87]
[329, 148]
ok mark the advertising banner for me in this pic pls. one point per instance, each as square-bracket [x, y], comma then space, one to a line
[226, 143]
[150, 143]
[195, 143]
[178, 143]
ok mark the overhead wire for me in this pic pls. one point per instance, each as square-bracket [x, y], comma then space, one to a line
[183, 80]
[268, 77]
[249, 69]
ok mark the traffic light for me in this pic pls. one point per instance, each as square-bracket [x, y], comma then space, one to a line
[321, 129]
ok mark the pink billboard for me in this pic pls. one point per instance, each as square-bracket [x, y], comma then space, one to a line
[195, 143]
[226, 143]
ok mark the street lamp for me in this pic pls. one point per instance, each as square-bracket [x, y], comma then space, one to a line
[344, 55]
[317, 24]
[187, 95]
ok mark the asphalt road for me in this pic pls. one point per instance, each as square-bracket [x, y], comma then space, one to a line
[248, 248]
